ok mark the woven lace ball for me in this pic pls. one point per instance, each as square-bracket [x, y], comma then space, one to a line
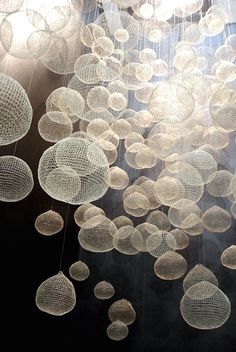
[49, 223]
[98, 238]
[15, 111]
[117, 331]
[182, 239]
[119, 178]
[54, 126]
[123, 311]
[197, 274]
[10, 6]
[56, 295]
[88, 215]
[217, 219]
[170, 266]
[204, 306]
[75, 170]
[16, 179]
[228, 257]
[122, 238]
[79, 271]
[104, 290]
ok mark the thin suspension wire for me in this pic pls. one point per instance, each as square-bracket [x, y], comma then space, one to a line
[64, 238]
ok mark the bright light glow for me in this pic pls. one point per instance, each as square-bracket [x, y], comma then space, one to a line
[22, 28]
[146, 10]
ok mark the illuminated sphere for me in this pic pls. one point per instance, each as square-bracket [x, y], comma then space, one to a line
[141, 234]
[79, 271]
[16, 179]
[15, 111]
[204, 306]
[54, 126]
[117, 331]
[74, 170]
[228, 257]
[216, 219]
[123, 311]
[122, 128]
[104, 290]
[49, 223]
[197, 274]
[56, 295]
[170, 266]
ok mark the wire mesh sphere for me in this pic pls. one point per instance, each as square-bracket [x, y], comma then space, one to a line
[54, 126]
[109, 69]
[79, 271]
[233, 209]
[204, 306]
[144, 93]
[122, 239]
[228, 257]
[160, 243]
[16, 111]
[217, 137]
[217, 219]
[16, 179]
[99, 238]
[88, 215]
[140, 235]
[10, 6]
[121, 35]
[98, 99]
[124, 4]
[169, 189]
[122, 128]
[119, 178]
[117, 102]
[159, 68]
[90, 33]
[121, 221]
[170, 266]
[49, 223]
[233, 185]
[117, 331]
[123, 311]
[104, 290]
[224, 117]
[148, 187]
[75, 170]
[219, 185]
[126, 22]
[211, 25]
[56, 295]
[182, 239]
[136, 204]
[68, 101]
[185, 214]
[85, 68]
[203, 162]
[171, 99]
[159, 219]
[197, 274]
[13, 40]
[63, 53]
[102, 47]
